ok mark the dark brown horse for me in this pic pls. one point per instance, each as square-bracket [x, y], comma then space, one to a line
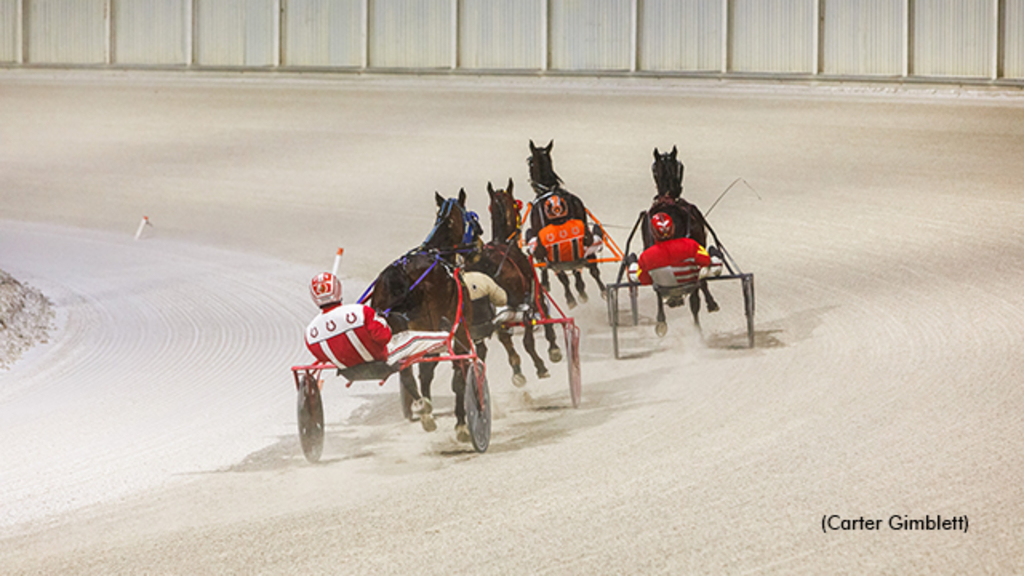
[549, 191]
[686, 218]
[419, 292]
[504, 261]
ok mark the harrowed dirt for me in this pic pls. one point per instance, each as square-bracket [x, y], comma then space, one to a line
[153, 431]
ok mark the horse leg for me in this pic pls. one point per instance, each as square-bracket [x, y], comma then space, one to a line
[564, 279]
[596, 274]
[581, 288]
[545, 281]
[530, 343]
[459, 388]
[712, 305]
[662, 327]
[420, 406]
[695, 307]
[518, 380]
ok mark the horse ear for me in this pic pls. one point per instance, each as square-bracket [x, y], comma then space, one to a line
[439, 199]
[674, 151]
[509, 189]
[655, 152]
[490, 189]
[533, 147]
[462, 197]
[550, 145]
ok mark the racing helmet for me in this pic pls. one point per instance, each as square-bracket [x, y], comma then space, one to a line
[664, 228]
[325, 289]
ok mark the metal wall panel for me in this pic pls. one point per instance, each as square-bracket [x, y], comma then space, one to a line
[590, 35]
[953, 37]
[151, 31]
[1013, 34]
[67, 31]
[323, 33]
[772, 36]
[235, 32]
[863, 37]
[9, 36]
[501, 34]
[680, 35]
[411, 33]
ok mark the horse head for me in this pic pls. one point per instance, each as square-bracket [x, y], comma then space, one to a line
[505, 219]
[542, 172]
[668, 174]
[454, 226]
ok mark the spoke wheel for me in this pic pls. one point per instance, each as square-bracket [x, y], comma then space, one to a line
[572, 347]
[311, 418]
[478, 407]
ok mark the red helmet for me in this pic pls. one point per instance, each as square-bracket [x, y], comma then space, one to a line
[664, 228]
[325, 289]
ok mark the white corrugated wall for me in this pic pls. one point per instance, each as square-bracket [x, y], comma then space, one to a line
[323, 33]
[773, 36]
[1013, 60]
[501, 34]
[863, 37]
[953, 37]
[590, 35]
[411, 34]
[236, 33]
[9, 34]
[680, 35]
[67, 31]
[151, 31]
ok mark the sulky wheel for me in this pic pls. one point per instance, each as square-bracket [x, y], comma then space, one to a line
[572, 347]
[478, 406]
[311, 418]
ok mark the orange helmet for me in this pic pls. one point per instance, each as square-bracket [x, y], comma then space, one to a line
[554, 207]
[325, 289]
[664, 228]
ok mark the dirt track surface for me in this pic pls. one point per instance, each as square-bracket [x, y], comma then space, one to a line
[155, 432]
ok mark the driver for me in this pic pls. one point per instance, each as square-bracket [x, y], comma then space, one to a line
[347, 335]
[673, 261]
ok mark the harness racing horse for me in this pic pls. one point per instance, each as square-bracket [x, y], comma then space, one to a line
[504, 261]
[419, 292]
[559, 226]
[686, 217]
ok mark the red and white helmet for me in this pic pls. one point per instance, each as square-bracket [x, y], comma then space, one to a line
[664, 228]
[325, 289]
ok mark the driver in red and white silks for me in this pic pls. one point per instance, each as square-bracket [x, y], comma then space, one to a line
[347, 335]
[344, 334]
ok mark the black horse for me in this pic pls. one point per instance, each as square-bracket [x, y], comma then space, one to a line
[686, 218]
[504, 261]
[556, 206]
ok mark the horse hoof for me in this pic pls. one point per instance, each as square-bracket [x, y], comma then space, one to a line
[422, 406]
[661, 329]
[518, 380]
[427, 421]
[604, 295]
[712, 306]
[462, 433]
[584, 297]
[571, 303]
[555, 354]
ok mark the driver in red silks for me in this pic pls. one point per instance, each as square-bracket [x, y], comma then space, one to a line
[673, 260]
